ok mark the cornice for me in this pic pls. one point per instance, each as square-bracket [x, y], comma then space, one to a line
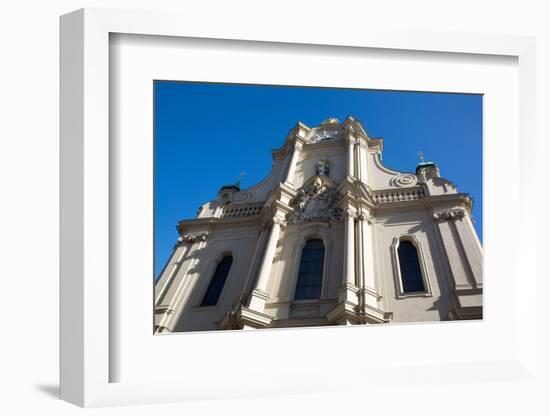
[428, 201]
[213, 221]
[353, 194]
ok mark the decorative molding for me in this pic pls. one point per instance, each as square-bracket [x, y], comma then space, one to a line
[241, 317]
[347, 313]
[349, 213]
[371, 315]
[276, 219]
[192, 238]
[404, 180]
[450, 215]
[400, 293]
[280, 221]
[260, 294]
[350, 139]
[242, 196]
[317, 231]
[325, 133]
[363, 216]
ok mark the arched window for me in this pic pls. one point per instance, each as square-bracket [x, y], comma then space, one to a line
[215, 287]
[409, 266]
[310, 275]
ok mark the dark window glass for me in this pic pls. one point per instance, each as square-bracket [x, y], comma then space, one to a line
[215, 287]
[409, 265]
[310, 275]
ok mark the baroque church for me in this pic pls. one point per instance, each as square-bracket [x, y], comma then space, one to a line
[330, 237]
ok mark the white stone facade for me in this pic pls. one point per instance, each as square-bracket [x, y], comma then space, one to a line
[328, 184]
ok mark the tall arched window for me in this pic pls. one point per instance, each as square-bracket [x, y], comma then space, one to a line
[310, 275]
[409, 266]
[215, 287]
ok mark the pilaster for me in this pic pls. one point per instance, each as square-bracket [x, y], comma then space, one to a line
[348, 291]
[368, 293]
[464, 262]
[350, 143]
[171, 269]
[168, 308]
[295, 153]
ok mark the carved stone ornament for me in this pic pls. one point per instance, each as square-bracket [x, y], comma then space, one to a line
[403, 180]
[349, 213]
[325, 134]
[242, 196]
[316, 203]
[192, 238]
[349, 139]
[449, 215]
[429, 172]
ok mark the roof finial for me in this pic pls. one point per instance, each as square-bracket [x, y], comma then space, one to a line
[331, 120]
[421, 156]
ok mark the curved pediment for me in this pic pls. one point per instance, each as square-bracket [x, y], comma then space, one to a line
[382, 177]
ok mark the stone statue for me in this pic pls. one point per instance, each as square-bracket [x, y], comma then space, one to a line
[323, 168]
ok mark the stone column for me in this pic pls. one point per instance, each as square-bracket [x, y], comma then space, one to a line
[350, 141]
[259, 294]
[292, 164]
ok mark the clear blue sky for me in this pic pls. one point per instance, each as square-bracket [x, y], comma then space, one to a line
[206, 134]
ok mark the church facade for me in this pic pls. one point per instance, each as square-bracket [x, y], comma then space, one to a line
[330, 237]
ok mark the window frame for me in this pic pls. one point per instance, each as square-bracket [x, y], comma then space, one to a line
[296, 267]
[398, 278]
[211, 271]
[321, 287]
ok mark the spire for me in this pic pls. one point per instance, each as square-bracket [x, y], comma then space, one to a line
[422, 162]
[239, 180]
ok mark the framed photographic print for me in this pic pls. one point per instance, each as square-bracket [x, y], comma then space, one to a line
[327, 234]
[282, 209]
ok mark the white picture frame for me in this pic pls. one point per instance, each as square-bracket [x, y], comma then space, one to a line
[87, 295]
